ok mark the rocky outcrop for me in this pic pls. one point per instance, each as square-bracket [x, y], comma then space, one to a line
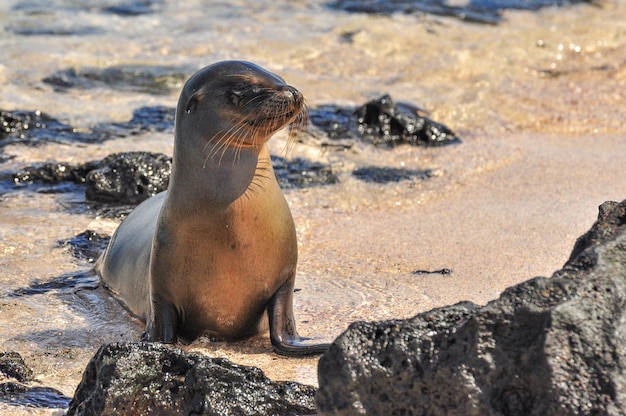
[152, 379]
[548, 346]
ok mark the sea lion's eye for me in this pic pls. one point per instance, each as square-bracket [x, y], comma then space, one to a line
[236, 98]
[242, 90]
[236, 94]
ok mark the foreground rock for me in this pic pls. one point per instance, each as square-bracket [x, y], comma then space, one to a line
[548, 346]
[151, 379]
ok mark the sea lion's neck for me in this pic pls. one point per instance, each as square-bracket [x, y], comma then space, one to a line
[215, 181]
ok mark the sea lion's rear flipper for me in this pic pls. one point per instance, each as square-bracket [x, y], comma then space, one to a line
[283, 333]
[162, 325]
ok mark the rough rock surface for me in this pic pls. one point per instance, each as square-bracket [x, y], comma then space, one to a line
[302, 173]
[129, 178]
[12, 365]
[548, 346]
[152, 379]
[386, 123]
[17, 389]
[386, 174]
[87, 246]
[381, 122]
[477, 11]
[148, 79]
[35, 127]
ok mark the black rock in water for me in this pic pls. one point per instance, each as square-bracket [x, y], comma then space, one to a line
[476, 11]
[134, 8]
[87, 245]
[152, 379]
[386, 175]
[35, 127]
[12, 365]
[31, 126]
[380, 122]
[301, 173]
[148, 79]
[53, 173]
[128, 178]
[120, 178]
[18, 394]
[384, 122]
[151, 119]
[18, 391]
[548, 346]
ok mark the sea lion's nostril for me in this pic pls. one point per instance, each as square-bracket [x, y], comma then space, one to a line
[291, 92]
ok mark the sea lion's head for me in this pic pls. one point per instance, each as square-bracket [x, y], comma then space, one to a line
[237, 104]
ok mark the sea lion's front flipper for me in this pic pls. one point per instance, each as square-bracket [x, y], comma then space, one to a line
[162, 325]
[283, 333]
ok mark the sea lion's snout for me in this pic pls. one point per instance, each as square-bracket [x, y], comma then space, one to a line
[292, 93]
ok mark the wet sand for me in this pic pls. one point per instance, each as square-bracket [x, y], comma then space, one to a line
[538, 102]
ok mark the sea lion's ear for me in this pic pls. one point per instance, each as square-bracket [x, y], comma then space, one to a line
[192, 102]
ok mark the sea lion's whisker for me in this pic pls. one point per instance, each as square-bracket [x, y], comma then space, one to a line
[232, 137]
[222, 142]
[215, 142]
[297, 126]
[237, 139]
[252, 100]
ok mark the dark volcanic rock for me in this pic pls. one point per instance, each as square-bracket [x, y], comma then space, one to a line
[129, 178]
[478, 11]
[383, 122]
[301, 173]
[60, 29]
[35, 127]
[151, 379]
[132, 177]
[74, 281]
[380, 122]
[548, 346]
[12, 365]
[337, 122]
[18, 394]
[386, 175]
[87, 245]
[150, 119]
[149, 79]
[20, 125]
[53, 173]
[135, 7]
[120, 178]
[45, 18]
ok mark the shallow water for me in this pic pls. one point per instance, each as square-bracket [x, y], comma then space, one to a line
[538, 101]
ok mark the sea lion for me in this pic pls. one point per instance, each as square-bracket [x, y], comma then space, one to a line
[216, 250]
